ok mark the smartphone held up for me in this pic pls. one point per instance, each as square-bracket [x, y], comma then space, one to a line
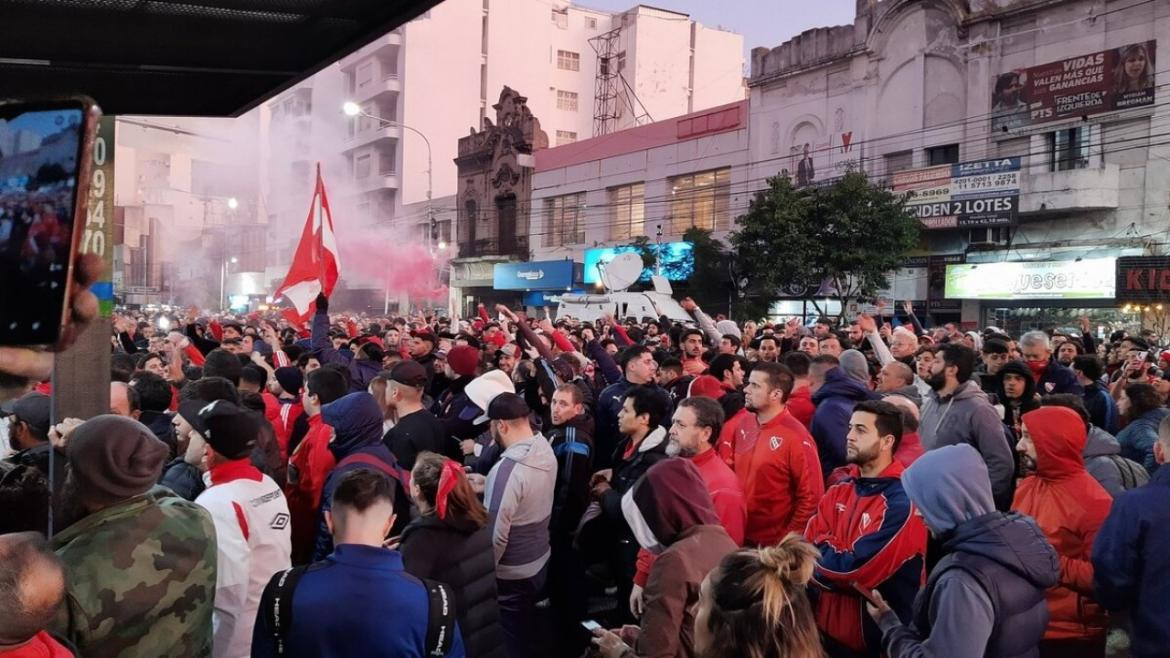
[45, 156]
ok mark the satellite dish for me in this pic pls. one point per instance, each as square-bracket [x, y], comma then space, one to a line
[621, 272]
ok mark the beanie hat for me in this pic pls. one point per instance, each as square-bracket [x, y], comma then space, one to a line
[706, 386]
[463, 359]
[728, 328]
[290, 379]
[113, 458]
[231, 430]
[853, 363]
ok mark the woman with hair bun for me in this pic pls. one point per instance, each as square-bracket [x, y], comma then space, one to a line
[451, 542]
[753, 605]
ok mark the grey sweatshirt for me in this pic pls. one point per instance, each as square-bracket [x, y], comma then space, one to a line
[968, 417]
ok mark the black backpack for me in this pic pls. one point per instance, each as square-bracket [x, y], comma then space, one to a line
[276, 606]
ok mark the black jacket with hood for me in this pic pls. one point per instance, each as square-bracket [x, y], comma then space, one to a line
[572, 443]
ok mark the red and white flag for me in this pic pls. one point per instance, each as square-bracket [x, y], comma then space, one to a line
[315, 267]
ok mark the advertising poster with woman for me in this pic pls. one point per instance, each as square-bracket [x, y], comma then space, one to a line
[1115, 79]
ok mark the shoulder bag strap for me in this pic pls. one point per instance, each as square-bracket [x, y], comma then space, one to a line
[276, 604]
[440, 618]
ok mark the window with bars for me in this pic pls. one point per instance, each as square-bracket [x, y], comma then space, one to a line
[568, 60]
[564, 220]
[566, 137]
[561, 18]
[701, 200]
[566, 100]
[590, 22]
[627, 212]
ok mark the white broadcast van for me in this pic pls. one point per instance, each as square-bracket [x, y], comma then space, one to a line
[618, 275]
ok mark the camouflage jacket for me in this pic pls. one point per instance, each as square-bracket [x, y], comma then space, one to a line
[140, 579]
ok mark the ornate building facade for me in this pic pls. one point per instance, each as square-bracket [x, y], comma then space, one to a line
[495, 167]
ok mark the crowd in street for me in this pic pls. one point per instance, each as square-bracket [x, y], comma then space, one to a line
[513, 486]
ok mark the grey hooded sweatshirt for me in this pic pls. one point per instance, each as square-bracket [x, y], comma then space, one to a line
[519, 496]
[966, 416]
[949, 486]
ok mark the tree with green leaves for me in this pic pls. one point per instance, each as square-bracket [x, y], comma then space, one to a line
[850, 234]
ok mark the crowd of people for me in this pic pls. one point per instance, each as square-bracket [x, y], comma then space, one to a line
[511, 486]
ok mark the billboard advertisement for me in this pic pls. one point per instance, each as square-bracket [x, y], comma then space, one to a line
[678, 260]
[1114, 79]
[1088, 278]
[537, 275]
[963, 195]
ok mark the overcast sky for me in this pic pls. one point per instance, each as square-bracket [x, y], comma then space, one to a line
[765, 23]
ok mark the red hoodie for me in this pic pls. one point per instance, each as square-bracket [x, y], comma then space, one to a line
[1069, 505]
[778, 466]
[42, 645]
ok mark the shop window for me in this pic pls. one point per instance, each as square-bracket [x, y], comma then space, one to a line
[701, 200]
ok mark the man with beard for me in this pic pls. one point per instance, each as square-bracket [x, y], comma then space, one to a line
[867, 534]
[769, 350]
[519, 493]
[957, 411]
[25, 473]
[692, 351]
[775, 459]
[140, 562]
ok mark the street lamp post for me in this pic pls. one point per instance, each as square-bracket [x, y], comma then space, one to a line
[223, 271]
[352, 109]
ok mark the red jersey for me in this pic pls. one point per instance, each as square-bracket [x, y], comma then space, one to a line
[308, 467]
[778, 466]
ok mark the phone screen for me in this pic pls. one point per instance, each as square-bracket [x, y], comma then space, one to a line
[590, 625]
[41, 148]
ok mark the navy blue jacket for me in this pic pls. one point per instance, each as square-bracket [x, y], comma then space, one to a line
[835, 401]
[609, 403]
[361, 371]
[358, 602]
[1138, 437]
[357, 425]
[1131, 557]
[1102, 409]
[1058, 379]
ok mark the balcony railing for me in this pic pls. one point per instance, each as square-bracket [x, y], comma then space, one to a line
[517, 246]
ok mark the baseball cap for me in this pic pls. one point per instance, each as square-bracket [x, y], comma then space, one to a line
[33, 409]
[410, 373]
[508, 406]
[231, 430]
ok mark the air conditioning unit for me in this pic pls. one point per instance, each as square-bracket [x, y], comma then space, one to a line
[990, 236]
